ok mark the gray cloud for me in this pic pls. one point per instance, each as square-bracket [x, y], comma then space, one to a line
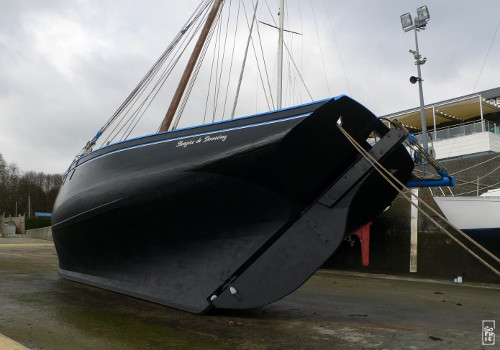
[65, 66]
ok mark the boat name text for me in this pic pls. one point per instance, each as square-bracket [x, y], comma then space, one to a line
[201, 139]
[494, 101]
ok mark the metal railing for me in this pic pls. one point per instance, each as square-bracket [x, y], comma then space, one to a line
[463, 130]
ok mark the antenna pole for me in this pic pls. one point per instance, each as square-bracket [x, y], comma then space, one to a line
[165, 125]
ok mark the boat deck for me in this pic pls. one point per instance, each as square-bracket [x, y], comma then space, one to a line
[333, 310]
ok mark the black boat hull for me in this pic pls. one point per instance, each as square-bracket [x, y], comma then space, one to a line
[230, 215]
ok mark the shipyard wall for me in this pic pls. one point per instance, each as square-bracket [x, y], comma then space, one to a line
[437, 255]
[40, 233]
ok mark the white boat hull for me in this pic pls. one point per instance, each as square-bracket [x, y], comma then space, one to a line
[471, 213]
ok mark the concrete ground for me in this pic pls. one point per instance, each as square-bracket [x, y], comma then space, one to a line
[333, 310]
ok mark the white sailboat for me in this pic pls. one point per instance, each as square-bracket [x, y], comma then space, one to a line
[472, 212]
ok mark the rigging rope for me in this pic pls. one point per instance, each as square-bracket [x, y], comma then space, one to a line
[166, 73]
[168, 70]
[196, 71]
[232, 60]
[269, 106]
[212, 70]
[217, 72]
[338, 50]
[133, 97]
[157, 87]
[216, 95]
[462, 182]
[320, 49]
[265, 68]
[487, 54]
[290, 57]
[465, 183]
[473, 166]
[394, 182]
[162, 59]
[485, 187]
[244, 61]
[128, 115]
[301, 45]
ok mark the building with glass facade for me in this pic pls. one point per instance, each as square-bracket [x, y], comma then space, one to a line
[460, 127]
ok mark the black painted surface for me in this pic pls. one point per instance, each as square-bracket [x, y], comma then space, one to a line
[438, 255]
[220, 202]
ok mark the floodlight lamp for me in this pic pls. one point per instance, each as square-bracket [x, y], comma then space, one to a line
[406, 21]
[423, 14]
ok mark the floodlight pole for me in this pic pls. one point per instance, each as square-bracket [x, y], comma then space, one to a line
[418, 63]
[420, 23]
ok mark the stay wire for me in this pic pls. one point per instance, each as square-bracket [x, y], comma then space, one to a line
[232, 61]
[217, 47]
[290, 57]
[196, 71]
[181, 108]
[337, 47]
[211, 73]
[244, 60]
[475, 165]
[137, 92]
[153, 72]
[320, 48]
[265, 66]
[159, 82]
[169, 68]
[487, 54]
[219, 86]
[269, 106]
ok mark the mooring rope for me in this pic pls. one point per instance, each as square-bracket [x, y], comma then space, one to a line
[392, 180]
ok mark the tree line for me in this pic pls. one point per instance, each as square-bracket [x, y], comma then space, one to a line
[31, 191]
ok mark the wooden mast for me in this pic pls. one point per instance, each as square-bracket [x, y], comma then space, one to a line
[189, 67]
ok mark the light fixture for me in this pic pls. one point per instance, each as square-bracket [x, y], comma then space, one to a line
[406, 21]
[423, 14]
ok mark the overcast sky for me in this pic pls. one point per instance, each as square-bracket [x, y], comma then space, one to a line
[66, 65]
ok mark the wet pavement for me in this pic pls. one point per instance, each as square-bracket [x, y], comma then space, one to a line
[333, 310]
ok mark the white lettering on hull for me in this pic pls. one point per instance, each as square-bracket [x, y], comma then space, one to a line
[204, 139]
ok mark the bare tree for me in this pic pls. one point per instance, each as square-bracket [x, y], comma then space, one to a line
[16, 187]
